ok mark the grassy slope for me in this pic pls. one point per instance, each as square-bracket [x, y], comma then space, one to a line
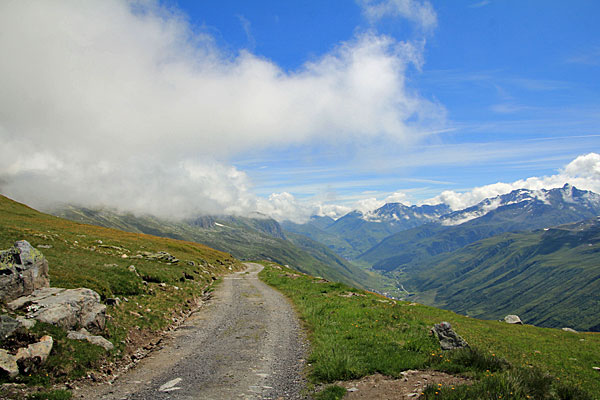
[363, 334]
[337, 267]
[331, 240]
[77, 259]
[555, 273]
[245, 238]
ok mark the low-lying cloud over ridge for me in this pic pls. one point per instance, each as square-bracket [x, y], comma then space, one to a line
[121, 104]
[583, 173]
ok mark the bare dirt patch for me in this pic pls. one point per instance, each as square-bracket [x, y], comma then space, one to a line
[409, 386]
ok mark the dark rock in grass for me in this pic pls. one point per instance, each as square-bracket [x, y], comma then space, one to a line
[449, 340]
[8, 326]
[113, 301]
[23, 269]
[513, 319]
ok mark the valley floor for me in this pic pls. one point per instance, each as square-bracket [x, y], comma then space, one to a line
[246, 344]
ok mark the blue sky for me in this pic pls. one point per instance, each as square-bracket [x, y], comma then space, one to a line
[519, 81]
[180, 108]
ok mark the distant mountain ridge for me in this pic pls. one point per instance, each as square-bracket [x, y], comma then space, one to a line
[357, 231]
[561, 198]
[520, 210]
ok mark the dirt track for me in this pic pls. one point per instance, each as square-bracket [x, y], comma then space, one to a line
[245, 344]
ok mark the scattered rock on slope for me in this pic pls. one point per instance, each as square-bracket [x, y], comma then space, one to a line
[83, 334]
[23, 269]
[449, 340]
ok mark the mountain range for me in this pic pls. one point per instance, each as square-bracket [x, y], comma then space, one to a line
[507, 254]
[357, 231]
[519, 210]
[256, 237]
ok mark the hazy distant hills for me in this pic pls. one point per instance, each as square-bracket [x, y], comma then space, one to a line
[255, 238]
[549, 277]
[356, 232]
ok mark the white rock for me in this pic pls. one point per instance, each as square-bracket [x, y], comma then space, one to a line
[513, 319]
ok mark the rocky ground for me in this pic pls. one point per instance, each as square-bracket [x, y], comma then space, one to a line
[409, 386]
[245, 344]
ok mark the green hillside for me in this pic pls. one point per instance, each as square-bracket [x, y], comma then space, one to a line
[356, 333]
[548, 277]
[79, 255]
[257, 238]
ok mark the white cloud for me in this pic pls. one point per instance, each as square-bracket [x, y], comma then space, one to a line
[418, 11]
[370, 204]
[583, 173]
[120, 103]
[397, 197]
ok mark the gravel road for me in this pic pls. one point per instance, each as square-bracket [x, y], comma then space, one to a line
[246, 343]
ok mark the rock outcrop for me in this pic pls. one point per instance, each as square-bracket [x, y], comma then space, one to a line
[30, 357]
[449, 340]
[68, 308]
[23, 269]
[27, 358]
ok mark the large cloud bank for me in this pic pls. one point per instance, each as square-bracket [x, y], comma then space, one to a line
[121, 104]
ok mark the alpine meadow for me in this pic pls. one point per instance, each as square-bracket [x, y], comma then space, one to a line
[371, 199]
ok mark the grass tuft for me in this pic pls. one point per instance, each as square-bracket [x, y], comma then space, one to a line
[332, 392]
[52, 395]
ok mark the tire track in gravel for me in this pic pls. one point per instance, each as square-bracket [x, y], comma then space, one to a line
[246, 343]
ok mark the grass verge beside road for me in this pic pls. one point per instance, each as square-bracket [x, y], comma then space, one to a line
[354, 333]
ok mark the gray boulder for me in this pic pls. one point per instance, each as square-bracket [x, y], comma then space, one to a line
[449, 340]
[8, 326]
[23, 269]
[83, 334]
[68, 308]
[513, 319]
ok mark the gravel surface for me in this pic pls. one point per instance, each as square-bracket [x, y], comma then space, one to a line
[245, 344]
